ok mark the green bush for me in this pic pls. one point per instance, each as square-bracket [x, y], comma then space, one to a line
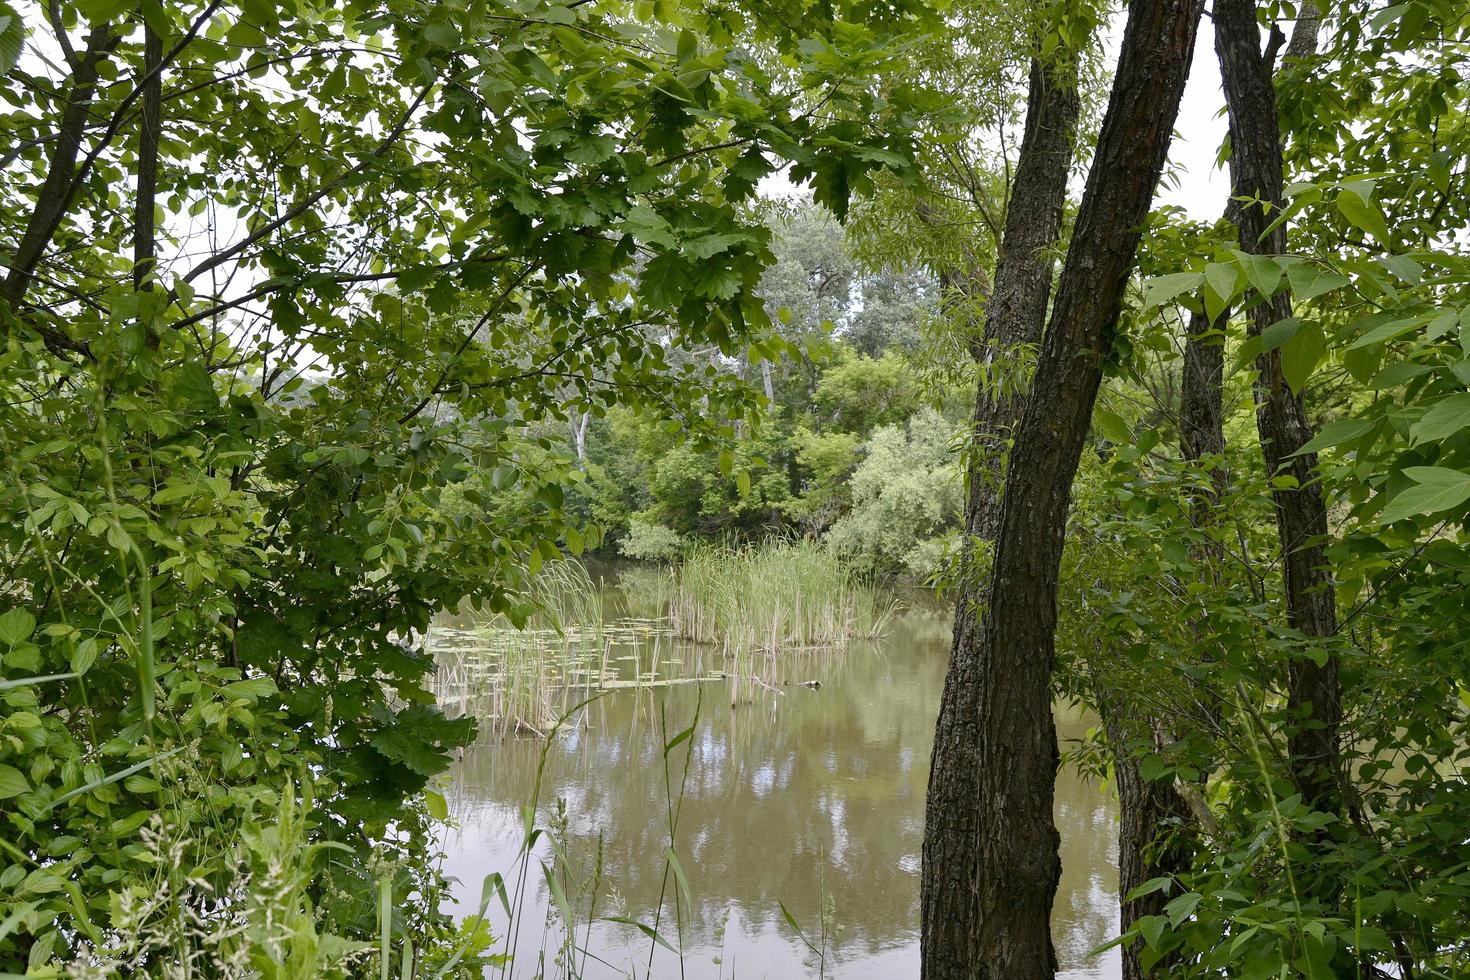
[651, 542]
[907, 495]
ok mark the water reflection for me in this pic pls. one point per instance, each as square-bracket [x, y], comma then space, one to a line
[808, 797]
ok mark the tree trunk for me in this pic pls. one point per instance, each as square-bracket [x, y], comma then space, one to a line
[1151, 812]
[579, 437]
[990, 855]
[145, 244]
[1015, 314]
[1304, 34]
[1150, 815]
[1202, 408]
[60, 170]
[1314, 695]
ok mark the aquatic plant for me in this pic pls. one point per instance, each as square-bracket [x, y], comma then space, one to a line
[774, 597]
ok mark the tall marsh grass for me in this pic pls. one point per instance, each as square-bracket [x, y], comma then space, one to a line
[519, 673]
[774, 597]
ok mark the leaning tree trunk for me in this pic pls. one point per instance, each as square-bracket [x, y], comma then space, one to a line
[1314, 693]
[61, 170]
[995, 755]
[1015, 313]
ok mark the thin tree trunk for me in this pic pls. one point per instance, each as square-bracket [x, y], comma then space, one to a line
[1304, 34]
[1152, 812]
[579, 438]
[1314, 693]
[60, 170]
[1202, 408]
[145, 244]
[1150, 815]
[995, 756]
[1015, 313]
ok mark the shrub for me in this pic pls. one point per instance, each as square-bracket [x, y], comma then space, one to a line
[647, 541]
[907, 495]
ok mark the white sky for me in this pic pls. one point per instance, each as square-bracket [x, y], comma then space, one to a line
[1202, 187]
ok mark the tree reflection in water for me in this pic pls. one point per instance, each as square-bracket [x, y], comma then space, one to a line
[796, 794]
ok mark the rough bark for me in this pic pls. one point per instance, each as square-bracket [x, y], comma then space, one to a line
[1202, 409]
[1313, 691]
[990, 855]
[1015, 314]
[1015, 311]
[1304, 34]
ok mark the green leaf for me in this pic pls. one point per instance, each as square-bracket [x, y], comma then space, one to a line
[97, 11]
[1336, 434]
[441, 31]
[1387, 331]
[1403, 267]
[1301, 354]
[12, 37]
[1439, 488]
[1112, 426]
[1220, 283]
[252, 689]
[84, 656]
[1355, 203]
[791, 921]
[1182, 907]
[646, 930]
[1162, 289]
[16, 626]
[1152, 927]
[1278, 333]
[673, 743]
[1263, 272]
[414, 754]
[1445, 418]
[12, 782]
[1399, 373]
[435, 803]
[1308, 282]
[679, 877]
[1153, 768]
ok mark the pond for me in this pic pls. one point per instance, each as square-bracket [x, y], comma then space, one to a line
[799, 799]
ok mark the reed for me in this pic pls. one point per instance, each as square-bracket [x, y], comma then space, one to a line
[774, 597]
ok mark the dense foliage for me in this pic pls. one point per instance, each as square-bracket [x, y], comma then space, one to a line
[280, 277]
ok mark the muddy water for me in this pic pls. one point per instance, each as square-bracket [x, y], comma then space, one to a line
[802, 798]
